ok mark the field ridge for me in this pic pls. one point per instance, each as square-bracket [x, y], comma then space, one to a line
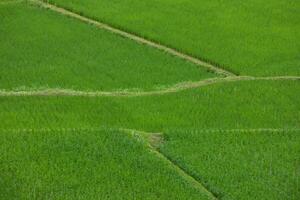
[184, 173]
[135, 38]
[127, 93]
[154, 147]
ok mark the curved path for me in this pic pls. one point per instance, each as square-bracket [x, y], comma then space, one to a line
[125, 93]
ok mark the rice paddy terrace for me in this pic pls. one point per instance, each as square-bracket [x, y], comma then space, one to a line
[161, 99]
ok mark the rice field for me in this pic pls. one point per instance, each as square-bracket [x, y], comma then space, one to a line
[244, 105]
[77, 56]
[89, 164]
[149, 100]
[251, 37]
[264, 164]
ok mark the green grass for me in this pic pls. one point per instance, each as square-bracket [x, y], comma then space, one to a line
[245, 165]
[250, 37]
[103, 164]
[40, 48]
[245, 104]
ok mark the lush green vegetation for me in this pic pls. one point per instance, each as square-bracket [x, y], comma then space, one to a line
[245, 165]
[66, 147]
[249, 104]
[251, 37]
[40, 48]
[86, 165]
[257, 165]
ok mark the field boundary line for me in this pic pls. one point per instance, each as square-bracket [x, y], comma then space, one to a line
[126, 93]
[185, 174]
[181, 171]
[134, 37]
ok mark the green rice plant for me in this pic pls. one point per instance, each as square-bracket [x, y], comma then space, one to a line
[42, 49]
[251, 37]
[239, 165]
[239, 139]
[232, 165]
[235, 105]
[102, 164]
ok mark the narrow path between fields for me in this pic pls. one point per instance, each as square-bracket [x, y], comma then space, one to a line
[126, 93]
[136, 38]
[153, 144]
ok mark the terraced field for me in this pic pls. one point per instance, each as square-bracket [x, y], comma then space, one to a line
[161, 99]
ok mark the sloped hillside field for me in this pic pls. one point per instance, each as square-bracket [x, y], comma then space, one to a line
[131, 99]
